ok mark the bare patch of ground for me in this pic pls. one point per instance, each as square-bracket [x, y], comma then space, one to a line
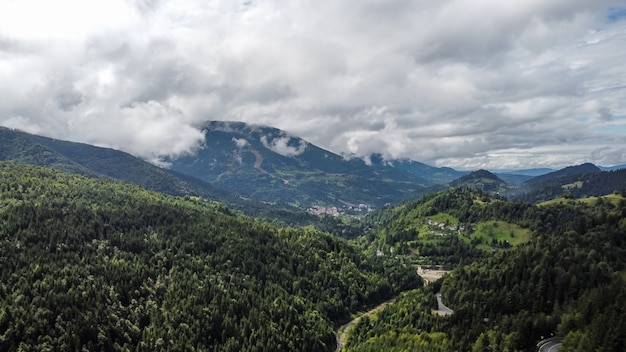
[430, 275]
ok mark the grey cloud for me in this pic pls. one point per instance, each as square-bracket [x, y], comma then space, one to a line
[460, 82]
[605, 114]
[283, 145]
[68, 100]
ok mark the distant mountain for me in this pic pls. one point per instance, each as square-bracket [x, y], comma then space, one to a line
[612, 168]
[575, 181]
[513, 178]
[526, 172]
[482, 180]
[570, 170]
[269, 164]
[432, 175]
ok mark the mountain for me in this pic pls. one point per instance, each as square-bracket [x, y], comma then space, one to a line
[576, 185]
[525, 172]
[88, 160]
[92, 264]
[513, 178]
[612, 168]
[570, 170]
[578, 181]
[482, 180]
[269, 164]
[95, 161]
[432, 175]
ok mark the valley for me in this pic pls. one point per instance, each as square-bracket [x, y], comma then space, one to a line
[103, 251]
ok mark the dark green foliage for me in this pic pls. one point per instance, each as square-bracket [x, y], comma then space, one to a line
[401, 327]
[570, 273]
[91, 264]
[481, 180]
[597, 322]
[580, 185]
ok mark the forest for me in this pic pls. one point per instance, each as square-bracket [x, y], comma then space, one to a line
[90, 264]
[568, 281]
[99, 265]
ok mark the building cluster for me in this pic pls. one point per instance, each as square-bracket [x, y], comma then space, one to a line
[335, 211]
[319, 210]
[443, 228]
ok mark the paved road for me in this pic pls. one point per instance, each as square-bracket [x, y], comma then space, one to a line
[342, 332]
[550, 346]
[443, 310]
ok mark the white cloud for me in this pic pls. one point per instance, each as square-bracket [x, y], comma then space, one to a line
[281, 145]
[240, 142]
[456, 82]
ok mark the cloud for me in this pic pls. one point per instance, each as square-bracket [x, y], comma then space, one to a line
[281, 145]
[240, 142]
[605, 114]
[451, 83]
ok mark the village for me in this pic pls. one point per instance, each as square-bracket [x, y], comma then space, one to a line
[348, 209]
[441, 229]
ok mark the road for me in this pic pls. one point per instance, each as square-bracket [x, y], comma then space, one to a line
[342, 332]
[550, 346]
[442, 309]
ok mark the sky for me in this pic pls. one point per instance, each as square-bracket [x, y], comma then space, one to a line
[466, 84]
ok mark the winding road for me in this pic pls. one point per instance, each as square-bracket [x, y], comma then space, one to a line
[441, 308]
[342, 332]
[550, 345]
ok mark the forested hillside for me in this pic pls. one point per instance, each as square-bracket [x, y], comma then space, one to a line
[579, 185]
[89, 160]
[568, 280]
[96, 265]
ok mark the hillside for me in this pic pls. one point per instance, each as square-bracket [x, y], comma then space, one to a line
[576, 185]
[434, 175]
[84, 159]
[481, 180]
[567, 171]
[269, 164]
[97, 265]
[448, 228]
[567, 280]
[95, 161]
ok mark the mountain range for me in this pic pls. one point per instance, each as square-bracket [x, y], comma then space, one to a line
[256, 168]
[269, 164]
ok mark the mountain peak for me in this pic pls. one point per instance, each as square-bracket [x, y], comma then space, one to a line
[481, 180]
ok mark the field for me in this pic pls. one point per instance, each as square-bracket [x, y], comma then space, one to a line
[613, 198]
[500, 232]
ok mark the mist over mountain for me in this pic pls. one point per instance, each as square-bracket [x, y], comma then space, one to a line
[434, 175]
[246, 166]
[269, 164]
